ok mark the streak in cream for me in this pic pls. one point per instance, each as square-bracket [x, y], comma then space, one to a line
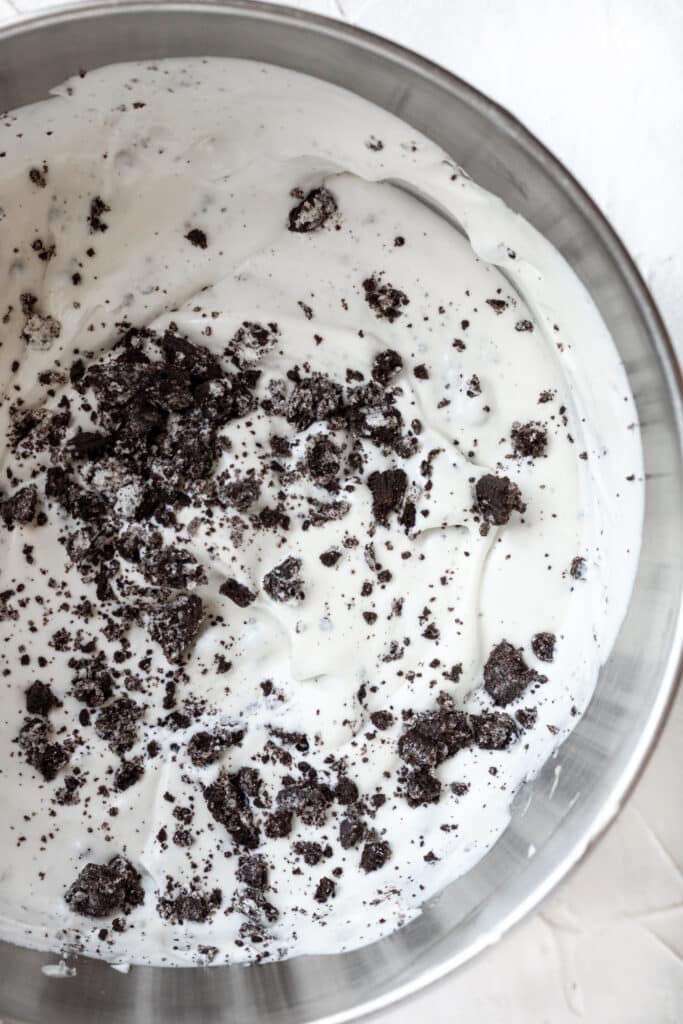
[277, 224]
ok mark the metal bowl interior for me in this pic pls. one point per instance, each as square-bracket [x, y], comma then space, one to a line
[558, 814]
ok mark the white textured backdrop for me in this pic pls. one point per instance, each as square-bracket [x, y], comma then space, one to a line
[601, 83]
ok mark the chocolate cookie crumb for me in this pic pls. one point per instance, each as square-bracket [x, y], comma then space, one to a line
[543, 646]
[529, 440]
[229, 805]
[97, 208]
[330, 558]
[313, 212]
[388, 490]
[375, 855]
[101, 889]
[386, 365]
[578, 568]
[325, 890]
[117, 724]
[284, 582]
[40, 699]
[497, 498]
[384, 300]
[493, 730]
[174, 624]
[506, 674]
[238, 593]
[20, 507]
[197, 237]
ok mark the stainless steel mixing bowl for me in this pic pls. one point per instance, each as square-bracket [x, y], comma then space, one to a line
[558, 814]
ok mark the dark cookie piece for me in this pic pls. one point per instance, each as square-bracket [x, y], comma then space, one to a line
[314, 399]
[237, 592]
[173, 567]
[577, 569]
[382, 720]
[308, 800]
[205, 748]
[189, 905]
[284, 582]
[175, 624]
[497, 498]
[385, 301]
[386, 365]
[323, 461]
[507, 675]
[325, 890]
[351, 832]
[20, 507]
[279, 824]
[168, 387]
[543, 646]
[88, 444]
[330, 558]
[497, 305]
[529, 440]
[97, 208]
[375, 855]
[93, 684]
[421, 372]
[197, 237]
[45, 756]
[421, 787]
[40, 699]
[117, 724]
[435, 736]
[493, 731]
[38, 176]
[127, 774]
[253, 871]
[240, 494]
[524, 325]
[229, 805]
[102, 889]
[312, 212]
[312, 853]
[79, 503]
[346, 791]
[40, 332]
[388, 490]
[527, 717]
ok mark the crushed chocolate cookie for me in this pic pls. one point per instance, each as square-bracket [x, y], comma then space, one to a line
[103, 889]
[175, 623]
[330, 558]
[577, 570]
[97, 208]
[197, 237]
[375, 855]
[41, 752]
[117, 724]
[493, 730]
[238, 593]
[385, 366]
[325, 890]
[189, 905]
[386, 302]
[229, 805]
[40, 699]
[388, 489]
[507, 675]
[284, 582]
[529, 440]
[497, 498]
[21, 507]
[313, 212]
[543, 646]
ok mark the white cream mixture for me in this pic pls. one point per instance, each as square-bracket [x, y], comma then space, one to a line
[161, 196]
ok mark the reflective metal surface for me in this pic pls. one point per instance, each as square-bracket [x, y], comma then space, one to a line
[558, 814]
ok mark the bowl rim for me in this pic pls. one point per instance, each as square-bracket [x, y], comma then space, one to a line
[400, 55]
